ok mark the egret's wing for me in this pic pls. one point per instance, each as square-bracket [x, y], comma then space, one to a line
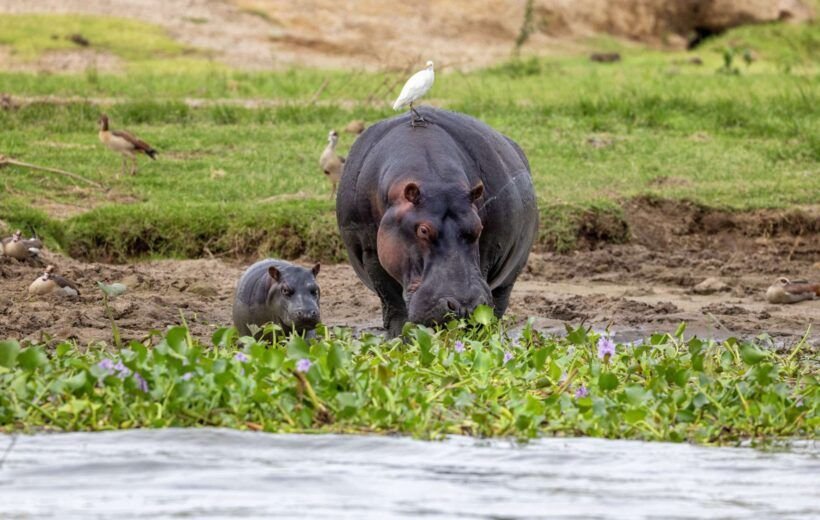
[415, 87]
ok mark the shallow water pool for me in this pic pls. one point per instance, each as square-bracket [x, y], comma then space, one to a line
[214, 473]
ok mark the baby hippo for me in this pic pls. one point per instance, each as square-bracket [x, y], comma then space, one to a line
[279, 292]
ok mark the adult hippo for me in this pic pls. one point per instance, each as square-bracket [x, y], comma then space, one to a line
[436, 219]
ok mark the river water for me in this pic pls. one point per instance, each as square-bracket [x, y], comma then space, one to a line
[215, 473]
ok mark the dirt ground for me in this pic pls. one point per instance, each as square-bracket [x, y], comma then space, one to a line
[395, 35]
[633, 288]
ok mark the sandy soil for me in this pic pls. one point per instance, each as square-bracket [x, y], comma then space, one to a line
[633, 288]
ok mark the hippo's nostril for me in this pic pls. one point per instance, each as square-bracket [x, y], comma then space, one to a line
[452, 304]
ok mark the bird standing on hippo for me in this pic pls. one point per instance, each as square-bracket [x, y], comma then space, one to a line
[436, 219]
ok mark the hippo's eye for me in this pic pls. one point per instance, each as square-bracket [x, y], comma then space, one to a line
[471, 235]
[424, 232]
[287, 291]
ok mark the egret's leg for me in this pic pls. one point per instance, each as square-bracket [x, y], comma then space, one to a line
[416, 119]
[133, 165]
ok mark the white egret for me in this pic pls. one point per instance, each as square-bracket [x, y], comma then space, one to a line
[416, 87]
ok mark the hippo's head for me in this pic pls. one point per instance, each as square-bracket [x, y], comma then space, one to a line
[428, 242]
[294, 297]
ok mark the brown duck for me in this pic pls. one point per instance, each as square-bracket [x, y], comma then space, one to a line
[784, 291]
[124, 144]
[20, 248]
[50, 283]
[331, 163]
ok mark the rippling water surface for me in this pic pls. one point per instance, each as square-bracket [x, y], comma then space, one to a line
[212, 473]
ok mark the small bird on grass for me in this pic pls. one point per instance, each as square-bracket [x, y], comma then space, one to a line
[125, 144]
[332, 163]
[416, 87]
[49, 283]
[784, 291]
[20, 248]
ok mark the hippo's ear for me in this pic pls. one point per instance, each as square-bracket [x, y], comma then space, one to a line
[274, 273]
[315, 270]
[477, 191]
[412, 193]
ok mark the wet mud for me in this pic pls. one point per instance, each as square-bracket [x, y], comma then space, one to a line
[631, 289]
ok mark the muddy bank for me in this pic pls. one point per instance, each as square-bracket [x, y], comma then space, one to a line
[631, 288]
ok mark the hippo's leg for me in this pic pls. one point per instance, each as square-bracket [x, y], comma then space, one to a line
[501, 298]
[394, 310]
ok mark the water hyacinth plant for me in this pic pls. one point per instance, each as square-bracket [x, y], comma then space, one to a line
[465, 378]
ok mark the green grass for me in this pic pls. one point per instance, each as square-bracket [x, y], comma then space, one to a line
[31, 35]
[595, 135]
[665, 389]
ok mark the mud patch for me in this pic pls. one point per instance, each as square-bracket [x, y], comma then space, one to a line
[629, 289]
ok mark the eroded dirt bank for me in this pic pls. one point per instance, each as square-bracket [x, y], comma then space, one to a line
[632, 287]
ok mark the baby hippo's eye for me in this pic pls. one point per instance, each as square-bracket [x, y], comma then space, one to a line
[314, 292]
[287, 291]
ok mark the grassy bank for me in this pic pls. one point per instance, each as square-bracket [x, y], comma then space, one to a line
[463, 379]
[596, 135]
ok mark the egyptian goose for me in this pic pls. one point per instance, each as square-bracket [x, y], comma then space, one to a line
[331, 163]
[20, 248]
[124, 144]
[355, 127]
[784, 291]
[50, 283]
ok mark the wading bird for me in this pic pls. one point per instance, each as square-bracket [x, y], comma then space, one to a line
[415, 88]
[330, 162]
[124, 144]
[49, 283]
[784, 291]
[20, 248]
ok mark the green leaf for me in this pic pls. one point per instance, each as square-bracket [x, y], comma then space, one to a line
[555, 372]
[8, 353]
[636, 394]
[751, 355]
[607, 381]
[177, 338]
[634, 416]
[578, 336]
[680, 330]
[298, 347]
[337, 358]
[425, 341]
[483, 315]
[112, 290]
[539, 357]
[32, 358]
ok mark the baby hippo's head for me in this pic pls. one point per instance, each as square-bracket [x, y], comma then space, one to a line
[294, 297]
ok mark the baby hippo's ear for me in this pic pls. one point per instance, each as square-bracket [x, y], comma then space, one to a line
[315, 270]
[274, 273]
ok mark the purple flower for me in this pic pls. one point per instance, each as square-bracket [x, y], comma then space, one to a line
[458, 347]
[241, 357]
[303, 365]
[123, 370]
[507, 356]
[187, 376]
[581, 392]
[142, 384]
[107, 365]
[606, 347]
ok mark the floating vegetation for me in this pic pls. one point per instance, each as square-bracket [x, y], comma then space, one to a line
[468, 377]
